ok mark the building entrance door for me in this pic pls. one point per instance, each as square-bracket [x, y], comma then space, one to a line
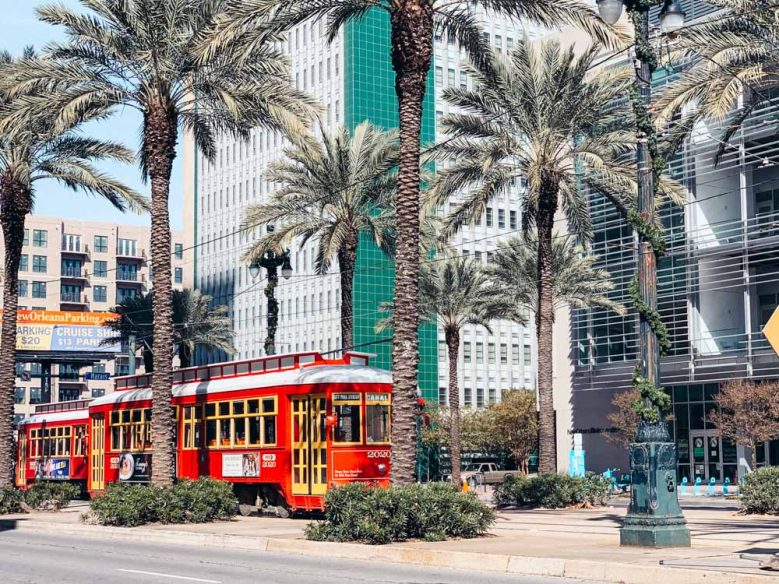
[706, 451]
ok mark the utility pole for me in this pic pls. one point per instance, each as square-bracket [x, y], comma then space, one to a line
[654, 518]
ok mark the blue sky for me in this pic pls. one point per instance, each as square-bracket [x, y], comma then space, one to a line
[21, 28]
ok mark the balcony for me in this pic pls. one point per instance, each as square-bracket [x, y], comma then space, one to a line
[76, 298]
[131, 254]
[72, 248]
[130, 277]
[72, 273]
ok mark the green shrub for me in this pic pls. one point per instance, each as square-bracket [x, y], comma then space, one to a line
[50, 496]
[199, 501]
[760, 491]
[432, 512]
[10, 500]
[553, 491]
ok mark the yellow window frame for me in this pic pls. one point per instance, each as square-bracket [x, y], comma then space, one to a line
[140, 430]
[233, 419]
[372, 399]
[351, 401]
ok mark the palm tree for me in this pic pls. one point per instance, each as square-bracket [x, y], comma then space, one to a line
[733, 54]
[563, 131]
[142, 55]
[455, 292]
[575, 279]
[196, 324]
[331, 189]
[34, 149]
[412, 26]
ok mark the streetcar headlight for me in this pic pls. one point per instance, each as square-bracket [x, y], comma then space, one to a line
[382, 468]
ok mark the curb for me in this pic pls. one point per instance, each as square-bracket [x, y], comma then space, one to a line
[617, 573]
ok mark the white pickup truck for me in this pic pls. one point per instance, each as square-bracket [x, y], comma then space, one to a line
[486, 473]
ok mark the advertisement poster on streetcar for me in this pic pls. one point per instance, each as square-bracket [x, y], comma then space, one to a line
[134, 468]
[241, 465]
[55, 330]
[53, 469]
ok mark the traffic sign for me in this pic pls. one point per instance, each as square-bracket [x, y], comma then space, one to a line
[95, 376]
[771, 331]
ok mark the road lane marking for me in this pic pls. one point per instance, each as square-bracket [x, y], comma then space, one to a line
[174, 576]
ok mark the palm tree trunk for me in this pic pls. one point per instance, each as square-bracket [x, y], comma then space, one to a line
[15, 205]
[347, 259]
[412, 51]
[160, 134]
[547, 452]
[453, 346]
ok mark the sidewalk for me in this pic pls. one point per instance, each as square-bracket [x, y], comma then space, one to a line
[580, 544]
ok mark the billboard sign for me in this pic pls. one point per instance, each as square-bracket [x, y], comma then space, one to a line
[53, 468]
[241, 465]
[59, 331]
[134, 468]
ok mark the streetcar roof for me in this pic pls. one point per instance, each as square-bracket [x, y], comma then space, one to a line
[314, 374]
[72, 415]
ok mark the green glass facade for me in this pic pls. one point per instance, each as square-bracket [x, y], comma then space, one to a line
[369, 93]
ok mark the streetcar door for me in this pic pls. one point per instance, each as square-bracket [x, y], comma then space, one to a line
[21, 468]
[309, 445]
[97, 458]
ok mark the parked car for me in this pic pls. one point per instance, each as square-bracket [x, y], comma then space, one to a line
[486, 473]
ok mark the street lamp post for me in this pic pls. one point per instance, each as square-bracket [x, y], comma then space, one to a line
[272, 261]
[654, 518]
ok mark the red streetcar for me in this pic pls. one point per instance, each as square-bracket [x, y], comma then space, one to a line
[53, 444]
[281, 428]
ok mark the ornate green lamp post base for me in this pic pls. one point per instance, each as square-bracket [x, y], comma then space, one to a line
[654, 518]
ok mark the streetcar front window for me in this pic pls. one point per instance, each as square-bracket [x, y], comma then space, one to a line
[377, 423]
[347, 408]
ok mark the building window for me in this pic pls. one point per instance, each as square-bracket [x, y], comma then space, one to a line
[479, 352]
[127, 272]
[24, 263]
[515, 354]
[491, 352]
[26, 240]
[439, 76]
[22, 288]
[39, 289]
[100, 293]
[101, 243]
[467, 397]
[442, 396]
[70, 293]
[450, 77]
[179, 251]
[98, 368]
[98, 392]
[501, 219]
[71, 242]
[178, 275]
[39, 264]
[513, 220]
[463, 80]
[123, 294]
[489, 216]
[126, 247]
[527, 357]
[40, 238]
[35, 395]
[467, 352]
[504, 354]
[69, 394]
[479, 397]
[493, 395]
[19, 395]
[101, 268]
[442, 350]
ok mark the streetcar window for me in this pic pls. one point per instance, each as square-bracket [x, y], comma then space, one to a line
[377, 417]
[133, 431]
[348, 423]
[242, 423]
[80, 441]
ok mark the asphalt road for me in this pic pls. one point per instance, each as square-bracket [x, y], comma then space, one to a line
[28, 557]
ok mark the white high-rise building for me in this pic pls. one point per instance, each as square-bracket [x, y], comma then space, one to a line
[352, 77]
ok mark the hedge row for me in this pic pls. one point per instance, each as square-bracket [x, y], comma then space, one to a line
[199, 501]
[432, 512]
[553, 491]
[44, 496]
